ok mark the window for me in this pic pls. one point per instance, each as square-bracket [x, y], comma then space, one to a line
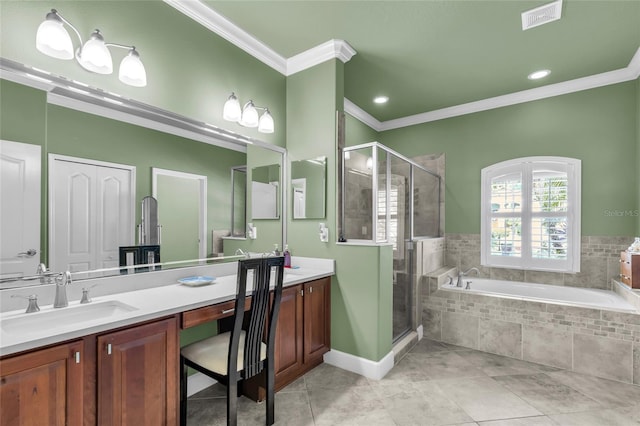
[531, 214]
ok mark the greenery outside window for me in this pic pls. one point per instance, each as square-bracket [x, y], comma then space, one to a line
[531, 214]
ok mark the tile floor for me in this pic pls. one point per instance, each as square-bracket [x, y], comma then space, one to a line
[438, 384]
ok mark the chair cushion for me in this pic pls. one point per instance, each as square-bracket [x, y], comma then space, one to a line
[212, 353]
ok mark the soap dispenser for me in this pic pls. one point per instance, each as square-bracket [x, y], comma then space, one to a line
[287, 256]
[276, 250]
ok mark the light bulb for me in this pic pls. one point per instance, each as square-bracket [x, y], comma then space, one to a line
[52, 38]
[231, 110]
[249, 115]
[132, 70]
[266, 123]
[95, 55]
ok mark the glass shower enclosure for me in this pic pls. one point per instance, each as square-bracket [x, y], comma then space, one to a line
[388, 198]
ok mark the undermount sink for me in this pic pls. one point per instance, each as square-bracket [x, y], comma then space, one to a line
[51, 318]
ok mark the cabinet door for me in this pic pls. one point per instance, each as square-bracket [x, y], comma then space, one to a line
[43, 387]
[138, 375]
[288, 350]
[317, 318]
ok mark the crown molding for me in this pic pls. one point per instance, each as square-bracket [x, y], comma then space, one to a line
[209, 18]
[226, 29]
[332, 49]
[631, 72]
[358, 113]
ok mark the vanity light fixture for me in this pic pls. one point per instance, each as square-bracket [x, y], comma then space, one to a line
[53, 40]
[247, 116]
[537, 75]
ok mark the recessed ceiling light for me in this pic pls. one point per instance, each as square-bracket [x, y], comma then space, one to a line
[536, 75]
[381, 99]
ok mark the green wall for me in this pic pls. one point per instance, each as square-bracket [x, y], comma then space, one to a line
[597, 126]
[356, 132]
[361, 301]
[192, 74]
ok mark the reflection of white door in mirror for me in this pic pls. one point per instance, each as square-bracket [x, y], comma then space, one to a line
[182, 213]
[91, 210]
[299, 197]
[19, 208]
[264, 200]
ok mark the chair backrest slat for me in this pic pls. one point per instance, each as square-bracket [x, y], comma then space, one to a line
[264, 309]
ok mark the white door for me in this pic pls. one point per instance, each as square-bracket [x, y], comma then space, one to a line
[299, 198]
[19, 208]
[91, 213]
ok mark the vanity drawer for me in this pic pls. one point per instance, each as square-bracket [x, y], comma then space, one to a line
[630, 269]
[210, 313]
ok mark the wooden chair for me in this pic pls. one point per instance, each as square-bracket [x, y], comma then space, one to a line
[241, 353]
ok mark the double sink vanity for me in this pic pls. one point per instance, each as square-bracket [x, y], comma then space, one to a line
[115, 360]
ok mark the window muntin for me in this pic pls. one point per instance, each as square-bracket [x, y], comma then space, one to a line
[530, 214]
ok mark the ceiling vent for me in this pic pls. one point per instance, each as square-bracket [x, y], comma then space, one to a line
[541, 15]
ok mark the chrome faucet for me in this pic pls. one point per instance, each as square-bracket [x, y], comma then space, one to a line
[44, 274]
[240, 252]
[464, 274]
[62, 281]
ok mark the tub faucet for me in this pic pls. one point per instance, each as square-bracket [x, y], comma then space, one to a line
[62, 281]
[464, 274]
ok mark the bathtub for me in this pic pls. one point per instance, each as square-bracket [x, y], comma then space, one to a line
[573, 296]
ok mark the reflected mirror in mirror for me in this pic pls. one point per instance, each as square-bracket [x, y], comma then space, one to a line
[308, 188]
[238, 201]
[149, 229]
[265, 192]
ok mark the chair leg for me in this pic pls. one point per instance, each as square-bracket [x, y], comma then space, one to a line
[270, 397]
[183, 393]
[232, 402]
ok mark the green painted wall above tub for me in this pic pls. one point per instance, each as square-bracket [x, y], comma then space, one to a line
[597, 126]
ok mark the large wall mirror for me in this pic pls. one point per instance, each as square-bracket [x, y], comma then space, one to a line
[65, 131]
[308, 188]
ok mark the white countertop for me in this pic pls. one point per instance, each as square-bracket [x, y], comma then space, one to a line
[149, 303]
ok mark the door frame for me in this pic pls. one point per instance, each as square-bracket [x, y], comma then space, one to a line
[50, 188]
[202, 181]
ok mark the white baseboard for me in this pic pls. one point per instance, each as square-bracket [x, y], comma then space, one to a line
[371, 369]
[197, 382]
[420, 331]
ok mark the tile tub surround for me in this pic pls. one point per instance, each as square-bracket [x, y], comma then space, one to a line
[591, 341]
[599, 262]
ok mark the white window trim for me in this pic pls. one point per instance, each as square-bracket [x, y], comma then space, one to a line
[526, 166]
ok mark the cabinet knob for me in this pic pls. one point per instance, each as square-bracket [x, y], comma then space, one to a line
[108, 348]
[77, 356]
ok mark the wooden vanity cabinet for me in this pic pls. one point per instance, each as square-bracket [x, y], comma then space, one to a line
[43, 387]
[124, 377]
[138, 375]
[630, 269]
[303, 331]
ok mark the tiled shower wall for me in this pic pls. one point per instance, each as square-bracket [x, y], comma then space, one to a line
[591, 341]
[599, 262]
